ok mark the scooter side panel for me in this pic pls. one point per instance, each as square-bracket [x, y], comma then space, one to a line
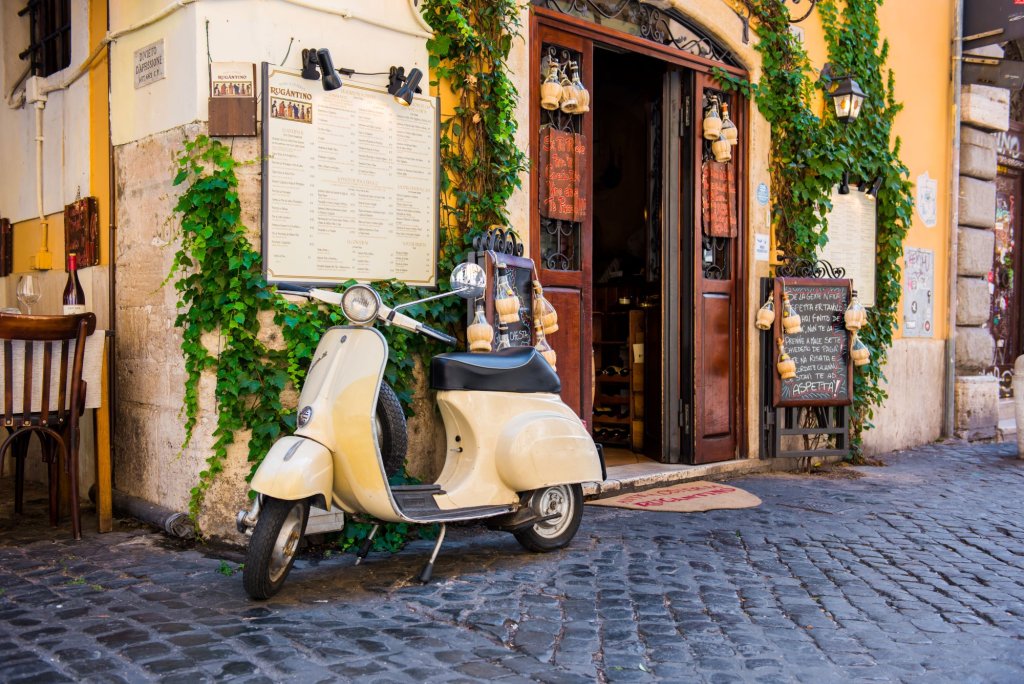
[294, 469]
[341, 393]
[509, 443]
[543, 449]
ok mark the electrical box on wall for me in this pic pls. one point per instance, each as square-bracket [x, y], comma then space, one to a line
[232, 99]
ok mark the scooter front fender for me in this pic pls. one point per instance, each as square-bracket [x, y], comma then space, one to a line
[296, 468]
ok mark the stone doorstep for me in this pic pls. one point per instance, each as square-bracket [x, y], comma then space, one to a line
[636, 477]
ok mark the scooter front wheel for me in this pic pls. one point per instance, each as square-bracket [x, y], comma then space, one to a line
[562, 505]
[273, 546]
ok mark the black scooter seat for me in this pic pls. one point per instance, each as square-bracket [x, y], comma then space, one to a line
[519, 369]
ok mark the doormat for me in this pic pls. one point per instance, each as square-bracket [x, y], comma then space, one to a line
[687, 497]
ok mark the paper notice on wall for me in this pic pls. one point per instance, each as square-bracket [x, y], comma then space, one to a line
[851, 243]
[927, 199]
[918, 292]
[351, 183]
[762, 247]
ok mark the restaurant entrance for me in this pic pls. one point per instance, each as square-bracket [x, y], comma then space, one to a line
[655, 367]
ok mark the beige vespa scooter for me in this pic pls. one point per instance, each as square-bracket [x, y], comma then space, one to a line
[516, 454]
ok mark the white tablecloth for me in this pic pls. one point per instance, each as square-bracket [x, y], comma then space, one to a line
[92, 367]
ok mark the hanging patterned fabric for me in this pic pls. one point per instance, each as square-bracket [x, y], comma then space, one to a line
[718, 199]
[563, 167]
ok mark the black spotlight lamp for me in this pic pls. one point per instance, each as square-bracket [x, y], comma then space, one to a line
[844, 186]
[330, 79]
[310, 65]
[875, 187]
[402, 87]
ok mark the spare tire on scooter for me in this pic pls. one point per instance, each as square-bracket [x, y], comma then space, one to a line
[392, 434]
[562, 505]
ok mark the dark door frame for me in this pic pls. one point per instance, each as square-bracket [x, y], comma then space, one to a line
[675, 420]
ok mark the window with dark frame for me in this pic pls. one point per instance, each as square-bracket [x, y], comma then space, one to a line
[49, 48]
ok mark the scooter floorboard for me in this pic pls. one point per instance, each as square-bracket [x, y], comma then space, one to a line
[417, 502]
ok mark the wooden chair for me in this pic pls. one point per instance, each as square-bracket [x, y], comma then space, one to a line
[29, 407]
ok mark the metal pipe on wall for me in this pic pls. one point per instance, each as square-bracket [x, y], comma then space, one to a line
[949, 413]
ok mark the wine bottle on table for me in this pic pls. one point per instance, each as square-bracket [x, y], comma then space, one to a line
[74, 297]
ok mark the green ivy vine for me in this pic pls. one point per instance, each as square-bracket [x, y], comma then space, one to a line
[810, 153]
[225, 303]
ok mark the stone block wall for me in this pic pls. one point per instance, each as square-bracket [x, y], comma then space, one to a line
[150, 462]
[983, 110]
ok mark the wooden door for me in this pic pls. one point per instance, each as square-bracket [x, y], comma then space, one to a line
[712, 415]
[562, 249]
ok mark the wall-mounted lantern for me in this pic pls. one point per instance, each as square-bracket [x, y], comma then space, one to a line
[847, 96]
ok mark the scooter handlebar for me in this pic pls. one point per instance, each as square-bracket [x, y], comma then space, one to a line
[436, 334]
[392, 317]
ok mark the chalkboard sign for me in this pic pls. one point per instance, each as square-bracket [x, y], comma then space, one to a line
[821, 351]
[520, 272]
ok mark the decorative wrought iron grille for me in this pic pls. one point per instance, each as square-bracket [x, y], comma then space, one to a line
[49, 48]
[560, 240]
[636, 18]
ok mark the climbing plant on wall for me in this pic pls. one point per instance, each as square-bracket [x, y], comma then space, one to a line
[226, 306]
[810, 153]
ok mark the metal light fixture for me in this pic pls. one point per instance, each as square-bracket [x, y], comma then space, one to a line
[330, 78]
[848, 99]
[402, 86]
[847, 96]
[310, 65]
[875, 187]
[844, 186]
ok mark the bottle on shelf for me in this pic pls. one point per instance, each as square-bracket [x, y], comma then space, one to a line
[74, 297]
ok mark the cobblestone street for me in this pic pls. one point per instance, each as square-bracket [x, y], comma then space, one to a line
[911, 572]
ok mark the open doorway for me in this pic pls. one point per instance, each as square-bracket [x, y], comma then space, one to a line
[627, 253]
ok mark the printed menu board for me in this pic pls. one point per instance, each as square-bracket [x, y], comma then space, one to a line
[821, 350]
[350, 183]
[852, 242]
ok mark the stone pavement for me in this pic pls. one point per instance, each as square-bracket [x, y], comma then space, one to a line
[911, 572]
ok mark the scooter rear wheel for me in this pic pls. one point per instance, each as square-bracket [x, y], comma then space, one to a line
[565, 504]
[273, 546]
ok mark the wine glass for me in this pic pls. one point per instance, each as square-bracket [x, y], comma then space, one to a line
[28, 292]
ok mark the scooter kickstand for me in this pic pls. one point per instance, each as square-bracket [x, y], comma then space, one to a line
[428, 569]
[364, 548]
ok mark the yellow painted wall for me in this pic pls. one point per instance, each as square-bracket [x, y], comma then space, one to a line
[28, 238]
[920, 54]
[99, 126]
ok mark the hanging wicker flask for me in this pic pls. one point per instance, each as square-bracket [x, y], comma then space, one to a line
[712, 122]
[551, 88]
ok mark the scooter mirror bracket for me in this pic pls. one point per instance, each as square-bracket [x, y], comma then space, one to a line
[406, 305]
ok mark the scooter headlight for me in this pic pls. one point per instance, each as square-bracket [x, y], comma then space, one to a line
[360, 304]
